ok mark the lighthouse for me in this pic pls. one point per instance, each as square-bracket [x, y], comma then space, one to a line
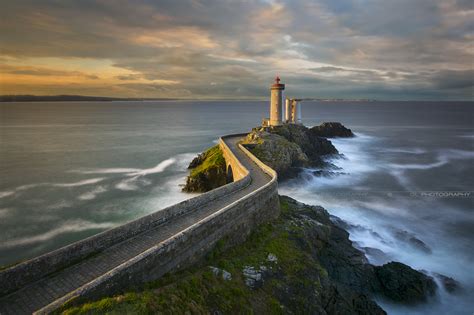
[276, 102]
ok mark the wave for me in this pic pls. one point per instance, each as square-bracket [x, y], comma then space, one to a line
[71, 226]
[76, 184]
[443, 158]
[7, 193]
[468, 136]
[133, 183]
[106, 171]
[65, 185]
[157, 169]
[92, 194]
[129, 171]
[408, 150]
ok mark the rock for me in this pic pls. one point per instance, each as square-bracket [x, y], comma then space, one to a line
[288, 148]
[253, 277]
[450, 285]
[277, 152]
[412, 240]
[331, 130]
[401, 283]
[272, 258]
[198, 160]
[208, 171]
[378, 256]
[225, 274]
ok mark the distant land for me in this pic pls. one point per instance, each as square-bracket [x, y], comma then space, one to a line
[82, 98]
[76, 98]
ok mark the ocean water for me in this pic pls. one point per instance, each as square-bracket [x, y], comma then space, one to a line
[69, 170]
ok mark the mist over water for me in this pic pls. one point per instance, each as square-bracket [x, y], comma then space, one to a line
[404, 184]
[407, 195]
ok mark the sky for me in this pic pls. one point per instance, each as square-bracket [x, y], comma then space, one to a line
[207, 49]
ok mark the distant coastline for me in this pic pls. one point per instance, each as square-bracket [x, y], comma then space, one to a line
[74, 98]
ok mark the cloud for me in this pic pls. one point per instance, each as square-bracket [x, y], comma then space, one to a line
[212, 48]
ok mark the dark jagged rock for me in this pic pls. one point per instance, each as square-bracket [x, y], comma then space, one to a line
[208, 171]
[376, 255]
[331, 130]
[401, 283]
[412, 240]
[198, 160]
[450, 285]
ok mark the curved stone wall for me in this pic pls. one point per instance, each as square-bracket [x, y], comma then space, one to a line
[18, 275]
[234, 221]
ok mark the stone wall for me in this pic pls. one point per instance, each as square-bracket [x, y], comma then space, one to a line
[234, 222]
[18, 275]
[238, 170]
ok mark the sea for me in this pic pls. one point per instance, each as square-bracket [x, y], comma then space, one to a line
[404, 185]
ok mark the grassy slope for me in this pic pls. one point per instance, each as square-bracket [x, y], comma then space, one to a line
[198, 290]
[213, 158]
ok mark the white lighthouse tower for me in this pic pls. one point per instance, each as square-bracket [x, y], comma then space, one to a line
[276, 102]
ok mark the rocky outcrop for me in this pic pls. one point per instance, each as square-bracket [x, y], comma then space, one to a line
[400, 283]
[331, 130]
[288, 147]
[283, 156]
[450, 285]
[207, 171]
[302, 263]
[350, 270]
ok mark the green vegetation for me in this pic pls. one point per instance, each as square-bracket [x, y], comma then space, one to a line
[213, 158]
[208, 171]
[199, 290]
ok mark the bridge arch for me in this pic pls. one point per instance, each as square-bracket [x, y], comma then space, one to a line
[230, 174]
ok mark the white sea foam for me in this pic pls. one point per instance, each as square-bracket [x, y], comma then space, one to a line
[70, 226]
[92, 194]
[106, 171]
[183, 160]
[374, 217]
[64, 185]
[76, 184]
[129, 171]
[405, 150]
[60, 205]
[157, 169]
[7, 193]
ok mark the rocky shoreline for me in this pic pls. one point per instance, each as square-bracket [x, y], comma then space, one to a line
[301, 263]
[289, 149]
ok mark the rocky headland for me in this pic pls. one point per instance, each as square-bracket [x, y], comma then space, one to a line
[319, 270]
[287, 149]
[301, 263]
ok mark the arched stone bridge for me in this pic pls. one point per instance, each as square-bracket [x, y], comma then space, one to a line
[147, 248]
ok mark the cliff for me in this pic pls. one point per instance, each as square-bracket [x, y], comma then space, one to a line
[289, 147]
[207, 171]
[300, 263]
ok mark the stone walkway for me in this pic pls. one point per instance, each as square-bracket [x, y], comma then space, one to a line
[38, 294]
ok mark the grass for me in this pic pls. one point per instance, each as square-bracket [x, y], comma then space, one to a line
[198, 290]
[213, 158]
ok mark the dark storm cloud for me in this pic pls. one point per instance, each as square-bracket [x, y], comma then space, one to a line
[209, 48]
